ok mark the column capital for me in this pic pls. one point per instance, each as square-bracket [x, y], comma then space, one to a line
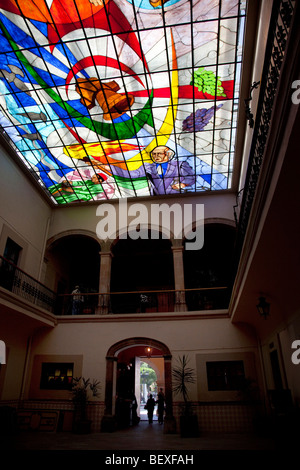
[177, 249]
[108, 254]
[177, 244]
[112, 358]
[105, 246]
[167, 357]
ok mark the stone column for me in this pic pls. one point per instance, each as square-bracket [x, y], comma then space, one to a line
[104, 281]
[177, 249]
[169, 420]
[108, 423]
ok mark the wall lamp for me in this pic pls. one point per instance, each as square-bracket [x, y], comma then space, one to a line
[263, 307]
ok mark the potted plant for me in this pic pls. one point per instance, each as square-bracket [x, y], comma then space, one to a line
[183, 376]
[81, 389]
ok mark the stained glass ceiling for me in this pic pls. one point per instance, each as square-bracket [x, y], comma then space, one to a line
[106, 99]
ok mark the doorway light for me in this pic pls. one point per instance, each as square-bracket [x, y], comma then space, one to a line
[148, 351]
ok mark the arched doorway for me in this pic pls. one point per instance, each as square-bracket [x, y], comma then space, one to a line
[210, 269]
[73, 259]
[142, 265]
[120, 377]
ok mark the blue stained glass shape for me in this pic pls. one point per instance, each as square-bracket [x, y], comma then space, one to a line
[42, 27]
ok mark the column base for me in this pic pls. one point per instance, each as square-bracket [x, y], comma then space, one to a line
[180, 307]
[108, 423]
[100, 310]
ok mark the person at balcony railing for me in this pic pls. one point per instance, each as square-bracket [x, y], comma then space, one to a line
[77, 301]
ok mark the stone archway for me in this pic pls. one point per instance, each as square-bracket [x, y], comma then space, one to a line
[73, 258]
[208, 272]
[108, 421]
[149, 267]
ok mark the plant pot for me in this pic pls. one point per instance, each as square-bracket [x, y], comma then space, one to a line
[82, 427]
[189, 426]
[169, 425]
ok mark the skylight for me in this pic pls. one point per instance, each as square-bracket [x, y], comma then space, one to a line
[105, 99]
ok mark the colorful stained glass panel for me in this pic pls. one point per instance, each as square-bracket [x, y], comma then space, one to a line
[104, 99]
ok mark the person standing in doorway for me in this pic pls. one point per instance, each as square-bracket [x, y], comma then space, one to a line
[160, 406]
[150, 408]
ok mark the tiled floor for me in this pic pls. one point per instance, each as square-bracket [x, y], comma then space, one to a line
[144, 436]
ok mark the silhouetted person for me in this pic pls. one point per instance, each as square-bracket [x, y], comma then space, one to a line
[160, 406]
[150, 408]
[134, 406]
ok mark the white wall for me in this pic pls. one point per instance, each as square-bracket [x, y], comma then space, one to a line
[67, 220]
[24, 215]
[92, 341]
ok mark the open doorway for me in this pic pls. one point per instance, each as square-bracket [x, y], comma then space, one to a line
[151, 377]
[138, 376]
[148, 382]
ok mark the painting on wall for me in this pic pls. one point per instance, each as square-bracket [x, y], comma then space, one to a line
[105, 99]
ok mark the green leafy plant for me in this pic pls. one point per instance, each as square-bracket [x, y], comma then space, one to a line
[183, 376]
[82, 389]
[148, 375]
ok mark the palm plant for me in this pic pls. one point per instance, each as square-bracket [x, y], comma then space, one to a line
[80, 392]
[183, 376]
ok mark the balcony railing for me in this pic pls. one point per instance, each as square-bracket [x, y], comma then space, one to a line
[211, 298]
[280, 25]
[22, 284]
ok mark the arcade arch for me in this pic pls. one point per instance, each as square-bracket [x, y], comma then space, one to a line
[141, 265]
[73, 259]
[210, 268]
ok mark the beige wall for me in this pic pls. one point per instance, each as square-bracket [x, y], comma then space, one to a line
[281, 341]
[11, 372]
[16, 331]
[84, 219]
[24, 217]
[91, 341]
